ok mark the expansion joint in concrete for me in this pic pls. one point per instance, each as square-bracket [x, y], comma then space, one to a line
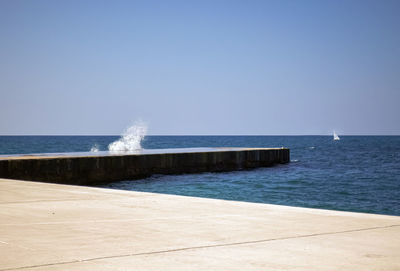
[200, 247]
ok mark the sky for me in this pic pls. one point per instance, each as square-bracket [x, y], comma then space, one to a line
[200, 67]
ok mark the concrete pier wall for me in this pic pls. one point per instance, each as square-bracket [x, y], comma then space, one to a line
[95, 169]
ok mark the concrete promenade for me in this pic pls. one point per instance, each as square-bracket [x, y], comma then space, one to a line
[60, 227]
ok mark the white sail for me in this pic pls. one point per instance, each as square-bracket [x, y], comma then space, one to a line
[335, 136]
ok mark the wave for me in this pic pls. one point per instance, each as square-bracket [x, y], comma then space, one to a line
[95, 148]
[130, 139]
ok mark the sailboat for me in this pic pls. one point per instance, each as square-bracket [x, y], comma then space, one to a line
[335, 136]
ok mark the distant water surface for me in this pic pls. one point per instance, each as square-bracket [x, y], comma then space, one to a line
[357, 173]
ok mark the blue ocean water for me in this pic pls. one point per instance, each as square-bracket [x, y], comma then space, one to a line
[357, 173]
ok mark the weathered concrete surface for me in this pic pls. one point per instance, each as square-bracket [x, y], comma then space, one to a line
[59, 227]
[94, 168]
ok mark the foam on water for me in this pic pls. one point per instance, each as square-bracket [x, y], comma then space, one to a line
[130, 139]
[95, 148]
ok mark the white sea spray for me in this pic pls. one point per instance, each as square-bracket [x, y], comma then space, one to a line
[95, 148]
[130, 139]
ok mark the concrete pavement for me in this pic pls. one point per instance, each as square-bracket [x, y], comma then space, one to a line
[61, 227]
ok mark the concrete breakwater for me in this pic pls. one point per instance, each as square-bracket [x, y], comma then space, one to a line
[102, 167]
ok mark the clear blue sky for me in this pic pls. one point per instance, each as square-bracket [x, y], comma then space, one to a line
[200, 67]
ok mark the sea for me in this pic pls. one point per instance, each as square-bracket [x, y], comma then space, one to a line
[355, 173]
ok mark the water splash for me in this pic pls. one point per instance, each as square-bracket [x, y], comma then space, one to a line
[95, 148]
[130, 139]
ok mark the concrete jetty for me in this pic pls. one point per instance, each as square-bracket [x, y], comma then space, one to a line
[53, 227]
[90, 168]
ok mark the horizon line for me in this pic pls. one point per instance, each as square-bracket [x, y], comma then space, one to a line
[202, 135]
